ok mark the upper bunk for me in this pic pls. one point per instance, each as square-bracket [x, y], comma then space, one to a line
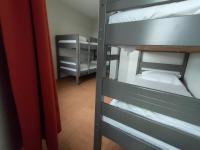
[147, 24]
[73, 41]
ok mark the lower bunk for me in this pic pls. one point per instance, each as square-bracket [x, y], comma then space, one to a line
[140, 122]
[154, 109]
[69, 67]
[148, 80]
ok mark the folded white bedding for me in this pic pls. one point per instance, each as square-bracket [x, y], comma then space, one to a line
[176, 9]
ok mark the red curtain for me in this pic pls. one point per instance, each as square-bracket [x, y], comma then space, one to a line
[26, 40]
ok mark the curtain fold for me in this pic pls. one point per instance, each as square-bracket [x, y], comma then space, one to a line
[27, 45]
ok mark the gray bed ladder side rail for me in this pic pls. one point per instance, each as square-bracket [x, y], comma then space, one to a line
[101, 73]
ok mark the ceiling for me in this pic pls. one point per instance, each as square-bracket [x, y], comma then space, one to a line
[87, 7]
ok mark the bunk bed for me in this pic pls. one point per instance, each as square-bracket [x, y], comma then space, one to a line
[141, 117]
[79, 56]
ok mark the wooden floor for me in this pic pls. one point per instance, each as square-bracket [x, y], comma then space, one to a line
[77, 115]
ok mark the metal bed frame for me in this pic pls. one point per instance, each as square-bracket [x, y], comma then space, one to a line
[137, 34]
[142, 66]
[91, 49]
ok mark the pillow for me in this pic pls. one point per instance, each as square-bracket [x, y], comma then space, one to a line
[160, 76]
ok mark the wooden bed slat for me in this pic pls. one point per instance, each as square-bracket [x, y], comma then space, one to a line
[177, 106]
[177, 31]
[164, 133]
[126, 140]
[119, 5]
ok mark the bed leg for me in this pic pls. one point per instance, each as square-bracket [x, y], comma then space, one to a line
[77, 80]
[97, 138]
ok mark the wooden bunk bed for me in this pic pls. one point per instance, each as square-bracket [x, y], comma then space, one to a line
[177, 31]
[76, 65]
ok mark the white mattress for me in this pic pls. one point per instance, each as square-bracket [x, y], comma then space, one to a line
[74, 41]
[68, 63]
[84, 67]
[160, 118]
[176, 89]
[176, 9]
[92, 43]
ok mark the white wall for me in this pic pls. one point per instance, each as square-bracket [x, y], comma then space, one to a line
[65, 20]
[95, 28]
[193, 73]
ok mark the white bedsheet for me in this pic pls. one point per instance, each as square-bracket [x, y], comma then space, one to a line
[68, 63]
[179, 89]
[84, 67]
[92, 43]
[74, 41]
[176, 9]
[160, 118]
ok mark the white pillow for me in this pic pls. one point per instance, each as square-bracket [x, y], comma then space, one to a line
[163, 77]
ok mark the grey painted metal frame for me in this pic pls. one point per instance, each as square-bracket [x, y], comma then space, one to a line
[177, 106]
[78, 47]
[120, 5]
[160, 66]
[176, 31]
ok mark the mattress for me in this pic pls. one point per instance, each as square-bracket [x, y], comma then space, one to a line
[160, 118]
[92, 43]
[179, 89]
[176, 9]
[68, 63]
[74, 41]
[84, 67]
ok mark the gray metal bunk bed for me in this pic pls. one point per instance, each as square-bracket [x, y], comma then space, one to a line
[76, 65]
[177, 31]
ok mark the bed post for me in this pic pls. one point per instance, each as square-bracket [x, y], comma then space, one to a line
[185, 61]
[77, 59]
[140, 58]
[101, 73]
[117, 65]
[89, 51]
[108, 52]
[57, 58]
